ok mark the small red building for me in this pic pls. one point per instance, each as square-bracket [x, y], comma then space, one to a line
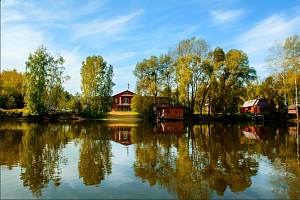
[169, 112]
[122, 101]
[256, 106]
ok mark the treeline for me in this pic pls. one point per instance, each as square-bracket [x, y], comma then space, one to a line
[41, 89]
[283, 61]
[193, 75]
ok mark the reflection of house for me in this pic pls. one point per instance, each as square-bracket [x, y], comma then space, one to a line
[256, 106]
[121, 134]
[254, 132]
[169, 128]
[122, 101]
[169, 113]
[293, 131]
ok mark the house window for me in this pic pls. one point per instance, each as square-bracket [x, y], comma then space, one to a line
[127, 93]
[176, 111]
[126, 100]
[116, 100]
[168, 112]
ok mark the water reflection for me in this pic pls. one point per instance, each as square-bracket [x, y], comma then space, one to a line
[95, 154]
[207, 159]
[40, 157]
[169, 128]
[121, 133]
[192, 161]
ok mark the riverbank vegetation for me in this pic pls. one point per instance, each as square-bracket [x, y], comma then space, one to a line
[206, 82]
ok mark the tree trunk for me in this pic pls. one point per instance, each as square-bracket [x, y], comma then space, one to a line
[296, 96]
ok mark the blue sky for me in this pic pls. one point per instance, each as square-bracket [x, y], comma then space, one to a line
[125, 32]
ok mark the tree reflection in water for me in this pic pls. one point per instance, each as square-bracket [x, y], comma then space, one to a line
[40, 156]
[95, 153]
[193, 164]
[190, 161]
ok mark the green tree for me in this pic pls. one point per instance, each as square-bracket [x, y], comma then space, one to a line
[41, 70]
[292, 47]
[147, 73]
[11, 102]
[232, 71]
[142, 105]
[191, 74]
[167, 75]
[96, 80]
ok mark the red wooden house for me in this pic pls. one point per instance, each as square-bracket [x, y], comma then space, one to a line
[256, 106]
[169, 113]
[122, 101]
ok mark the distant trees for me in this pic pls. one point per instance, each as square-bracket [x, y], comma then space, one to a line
[43, 71]
[283, 62]
[96, 80]
[11, 87]
[191, 74]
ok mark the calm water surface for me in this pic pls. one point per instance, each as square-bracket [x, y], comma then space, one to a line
[94, 159]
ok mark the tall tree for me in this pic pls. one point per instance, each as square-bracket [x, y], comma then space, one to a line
[96, 80]
[191, 46]
[55, 73]
[232, 71]
[277, 64]
[167, 75]
[147, 73]
[35, 79]
[41, 70]
[292, 47]
[191, 74]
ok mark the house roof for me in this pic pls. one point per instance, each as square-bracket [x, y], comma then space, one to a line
[253, 102]
[293, 107]
[122, 92]
[127, 95]
[261, 104]
[169, 106]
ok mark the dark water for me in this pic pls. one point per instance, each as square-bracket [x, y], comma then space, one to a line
[95, 159]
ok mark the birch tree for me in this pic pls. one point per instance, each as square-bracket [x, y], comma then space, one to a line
[42, 70]
[292, 47]
[277, 64]
[191, 74]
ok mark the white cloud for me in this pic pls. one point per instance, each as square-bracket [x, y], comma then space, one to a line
[266, 32]
[107, 27]
[220, 17]
[256, 42]
[119, 55]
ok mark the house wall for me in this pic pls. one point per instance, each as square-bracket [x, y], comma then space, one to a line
[173, 112]
[260, 109]
[120, 101]
[293, 111]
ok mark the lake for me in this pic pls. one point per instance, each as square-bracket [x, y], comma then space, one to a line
[139, 160]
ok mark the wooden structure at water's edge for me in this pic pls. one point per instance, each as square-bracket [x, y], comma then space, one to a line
[169, 113]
